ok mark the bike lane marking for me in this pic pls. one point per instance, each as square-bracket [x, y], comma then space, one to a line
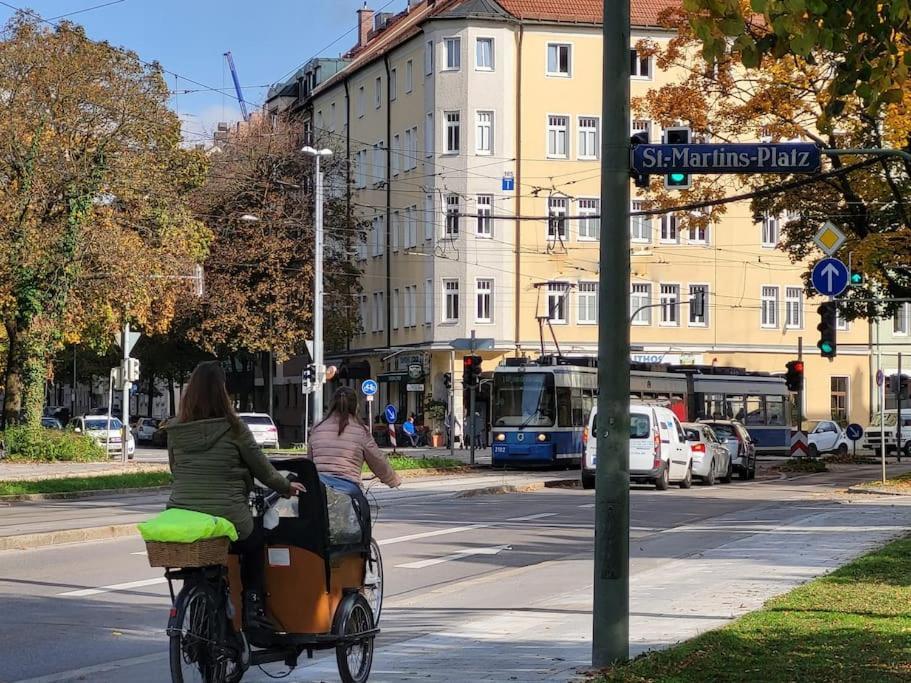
[421, 564]
[529, 518]
[81, 674]
[85, 592]
[430, 534]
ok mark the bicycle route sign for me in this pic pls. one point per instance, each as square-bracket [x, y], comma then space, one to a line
[369, 387]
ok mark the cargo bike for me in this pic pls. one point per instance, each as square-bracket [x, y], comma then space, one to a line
[323, 586]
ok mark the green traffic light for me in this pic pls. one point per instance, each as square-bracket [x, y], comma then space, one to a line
[826, 347]
[857, 278]
[678, 177]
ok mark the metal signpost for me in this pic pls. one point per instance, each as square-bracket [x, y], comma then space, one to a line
[369, 387]
[830, 277]
[881, 383]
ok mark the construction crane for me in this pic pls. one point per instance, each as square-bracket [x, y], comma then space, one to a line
[240, 94]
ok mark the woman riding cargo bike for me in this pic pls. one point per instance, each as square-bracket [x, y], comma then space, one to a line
[300, 582]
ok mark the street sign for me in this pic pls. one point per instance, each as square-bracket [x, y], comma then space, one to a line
[854, 432]
[370, 398]
[131, 340]
[369, 387]
[414, 387]
[391, 414]
[469, 344]
[509, 182]
[796, 157]
[799, 444]
[830, 277]
[880, 378]
[829, 239]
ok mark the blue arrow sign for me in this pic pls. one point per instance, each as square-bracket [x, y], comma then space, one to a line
[792, 157]
[369, 387]
[854, 432]
[391, 414]
[830, 277]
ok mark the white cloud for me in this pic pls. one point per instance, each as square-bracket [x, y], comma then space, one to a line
[199, 126]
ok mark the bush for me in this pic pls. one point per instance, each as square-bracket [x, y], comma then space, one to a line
[33, 444]
[803, 465]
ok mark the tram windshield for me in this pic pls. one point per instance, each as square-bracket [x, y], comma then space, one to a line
[524, 399]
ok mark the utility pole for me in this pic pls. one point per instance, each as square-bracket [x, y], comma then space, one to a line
[610, 636]
[473, 391]
[898, 415]
[73, 397]
[802, 387]
[125, 387]
[451, 404]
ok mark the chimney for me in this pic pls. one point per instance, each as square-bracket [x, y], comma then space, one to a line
[364, 24]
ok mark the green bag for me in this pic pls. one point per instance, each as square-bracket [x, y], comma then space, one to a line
[185, 526]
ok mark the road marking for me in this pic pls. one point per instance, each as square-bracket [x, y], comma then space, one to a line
[421, 564]
[115, 587]
[141, 552]
[429, 534]
[82, 674]
[588, 505]
[540, 515]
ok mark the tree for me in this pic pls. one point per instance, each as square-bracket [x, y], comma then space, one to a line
[782, 95]
[94, 224]
[169, 357]
[259, 274]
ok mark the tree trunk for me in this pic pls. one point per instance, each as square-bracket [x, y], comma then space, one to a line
[171, 396]
[151, 396]
[12, 402]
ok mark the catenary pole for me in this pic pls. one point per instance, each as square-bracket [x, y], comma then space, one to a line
[610, 636]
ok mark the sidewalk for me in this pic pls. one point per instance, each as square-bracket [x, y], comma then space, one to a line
[13, 471]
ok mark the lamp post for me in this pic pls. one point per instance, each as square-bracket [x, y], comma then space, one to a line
[318, 282]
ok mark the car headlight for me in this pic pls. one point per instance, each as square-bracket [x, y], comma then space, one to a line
[542, 437]
[501, 437]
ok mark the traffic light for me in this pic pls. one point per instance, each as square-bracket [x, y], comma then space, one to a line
[677, 180]
[640, 138]
[794, 376]
[828, 330]
[447, 380]
[857, 278]
[897, 386]
[307, 377]
[471, 371]
[132, 369]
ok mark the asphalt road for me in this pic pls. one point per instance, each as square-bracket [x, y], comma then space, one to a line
[96, 611]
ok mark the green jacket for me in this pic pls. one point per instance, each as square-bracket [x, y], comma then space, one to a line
[213, 470]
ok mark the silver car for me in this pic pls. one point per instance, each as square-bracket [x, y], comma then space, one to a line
[711, 460]
[739, 443]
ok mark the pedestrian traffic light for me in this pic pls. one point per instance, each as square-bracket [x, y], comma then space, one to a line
[794, 376]
[307, 377]
[677, 180]
[132, 369]
[447, 380]
[471, 371]
[857, 278]
[828, 329]
[640, 138]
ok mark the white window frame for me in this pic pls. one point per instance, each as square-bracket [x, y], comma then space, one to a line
[793, 304]
[484, 288]
[588, 135]
[428, 58]
[641, 291]
[452, 224]
[586, 207]
[641, 223]
[901, 321]
[393, 84]
[429, 217]
[394, 231]
[586, 296]
[448, 125]
[705, 305]
[364, 312]
[411, 227]
[769, 303]
[428, 302]
[378, 92]
[396, 303]
[451, 291]
[557, 211]
[429, 133]
[484, 131]
[699, 235]
[477, 53]
[484, 225]
[847, 379]
[569, 60]
[453, 58]
[396, 154]
[409, 76]
[840, 323]
[641, 126]
[408, 157]
[413, 151]
[670, 301]
[635, 63]
[556, 291]
[553, 131]
[771, 225]
[669, 220]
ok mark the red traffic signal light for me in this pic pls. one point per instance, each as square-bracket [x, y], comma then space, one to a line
[471, 370]
[794, 375]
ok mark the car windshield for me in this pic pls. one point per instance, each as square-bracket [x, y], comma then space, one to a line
[693, 434]
[256, 419]
[639, 426]
[724, 432]
[98, 425]
[524, 399]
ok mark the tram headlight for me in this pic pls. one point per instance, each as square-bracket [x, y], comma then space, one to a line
[542, 437]
[501, 437]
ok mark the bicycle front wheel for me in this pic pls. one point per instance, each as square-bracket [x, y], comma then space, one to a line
[194, 647]
[373, 581]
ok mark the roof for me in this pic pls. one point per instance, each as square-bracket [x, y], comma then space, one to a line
[642, 12]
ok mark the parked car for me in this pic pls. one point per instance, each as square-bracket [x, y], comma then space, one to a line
[51, 423]
[658, 451]
[711, 459]
[827, 437]
[264, 430]
[145, 429]
[739, 444]
[160, 435]
[103, 433]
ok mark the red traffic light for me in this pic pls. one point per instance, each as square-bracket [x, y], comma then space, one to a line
[798, 366]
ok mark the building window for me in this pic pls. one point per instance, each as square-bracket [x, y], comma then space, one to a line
[640, 66]
[452, 216]
[379, 163]
[364, 313]
[413, 149]
[485, 223]
[394, 231]
[379, 241]
[361, 102]
[699, 315]
[589, 221]
[396, 153]
[640, 297]
[670, 305]
[428, 135]
[320, 124]
[428, 58]
[557, 302]
[840, 322]
[559, 59]
[412, 226]
[378, 92]
[408, 157]
[589, 137]
[793, 306]
[409, 76]
[640, 227]
[839, 387]
[901, 320]
[484, 54]
[588, 303]
[378, 317]
[558, 136]
[484, 132]
[450, 301]
[394, 324]
[641, 126]
[484, 299]
[771, 231]
[428, 302]
[393, 84]
[669, 231]
[769, 307]
[699, 234]
[411, 306]
[556, 225]
[453, 53]
[453, 134]
[429, 215]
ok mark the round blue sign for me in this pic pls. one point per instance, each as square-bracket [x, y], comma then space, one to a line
[391, 414]
[854, 432]
[830, 277]
[369, 387]
[408, 428]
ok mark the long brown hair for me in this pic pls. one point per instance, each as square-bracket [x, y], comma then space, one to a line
[344, 403]
[206, 397]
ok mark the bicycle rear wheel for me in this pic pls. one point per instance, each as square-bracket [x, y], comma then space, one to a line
[194, 643]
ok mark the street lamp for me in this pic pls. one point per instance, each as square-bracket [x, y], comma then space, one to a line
[318, 282]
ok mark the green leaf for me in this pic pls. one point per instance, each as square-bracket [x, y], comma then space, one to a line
[817, 7]
[732, 26]
[893, 96]
[759, 6]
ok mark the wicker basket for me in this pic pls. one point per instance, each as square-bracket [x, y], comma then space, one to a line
[203, 553]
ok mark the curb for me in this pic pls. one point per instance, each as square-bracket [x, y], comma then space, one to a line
[77, 495]
[876, 492]
[49, 538]
[512, 488]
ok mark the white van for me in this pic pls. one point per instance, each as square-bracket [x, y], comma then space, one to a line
[658, 452]
[872, 439]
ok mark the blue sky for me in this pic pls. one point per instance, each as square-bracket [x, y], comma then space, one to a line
[268, 38]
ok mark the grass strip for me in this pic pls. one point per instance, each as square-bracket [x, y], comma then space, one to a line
[404, 462]
[900, 483]
[134, 480]
[853, 625]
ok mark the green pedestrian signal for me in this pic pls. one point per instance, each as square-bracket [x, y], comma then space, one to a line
[857, 278]
[677, 180]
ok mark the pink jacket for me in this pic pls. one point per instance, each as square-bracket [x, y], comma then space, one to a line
[343, 455]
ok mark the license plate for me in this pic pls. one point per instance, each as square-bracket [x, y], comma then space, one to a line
[499, 450]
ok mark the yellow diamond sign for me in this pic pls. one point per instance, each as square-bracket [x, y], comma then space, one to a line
[829, 239]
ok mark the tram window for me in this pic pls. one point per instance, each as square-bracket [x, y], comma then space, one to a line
[775, 407]
[755, 413]
[588, 402]
[578, 410]
[714, 406]
[564, 407]
[734, 408]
